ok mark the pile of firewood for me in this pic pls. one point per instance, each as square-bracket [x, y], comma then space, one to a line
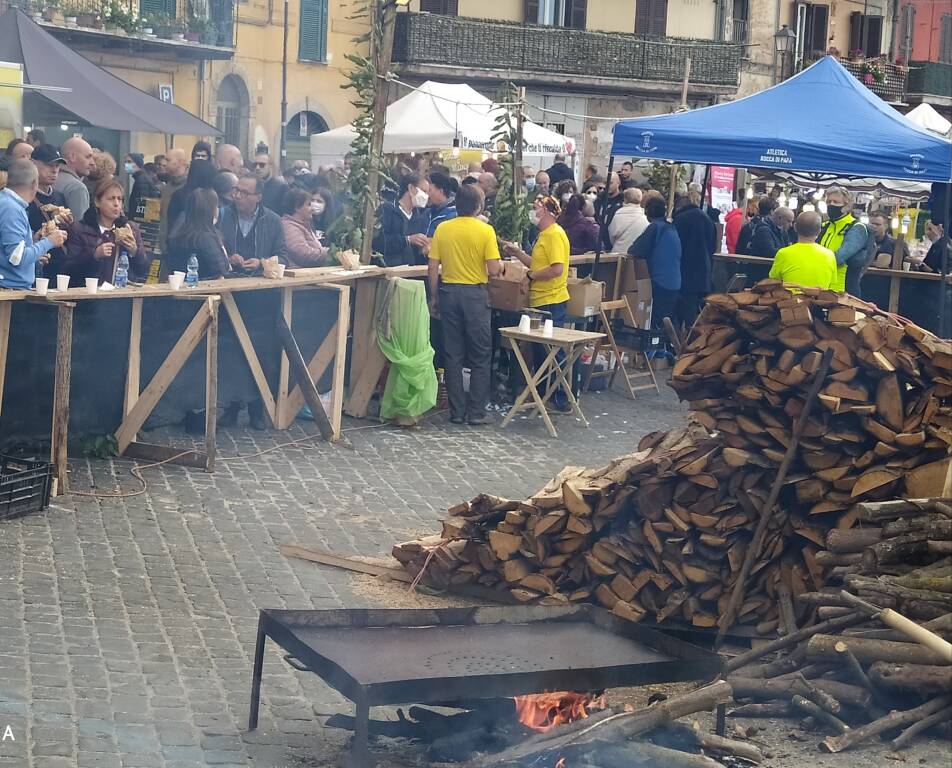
[866, 668]
[802, 405]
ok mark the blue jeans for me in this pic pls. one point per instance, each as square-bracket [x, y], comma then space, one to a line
[539, 353]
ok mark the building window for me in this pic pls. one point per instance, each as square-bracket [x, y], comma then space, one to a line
[232, 112]
[557, 13]
[866, 35]
[651, 17]
[741, 17]
[301, 127]
[907, 28]
[945, 39]
[312, 40]
[442, 7]
[153, 7]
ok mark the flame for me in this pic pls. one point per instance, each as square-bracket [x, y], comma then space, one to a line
[544, 711]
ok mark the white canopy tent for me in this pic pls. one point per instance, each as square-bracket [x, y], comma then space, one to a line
[926, 117]
[430, 118]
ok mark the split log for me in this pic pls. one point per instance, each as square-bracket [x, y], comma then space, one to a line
[823, 647]
[890, 722]
[852, 540]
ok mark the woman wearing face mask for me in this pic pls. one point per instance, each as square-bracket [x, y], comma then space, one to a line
[303, 246]
[548, 274]
[94, 242]
[195, 233]
[848, 239]
[563, 191]
[400, 223]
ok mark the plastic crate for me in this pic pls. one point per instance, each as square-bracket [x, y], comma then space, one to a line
[25, 486]
[638, 339]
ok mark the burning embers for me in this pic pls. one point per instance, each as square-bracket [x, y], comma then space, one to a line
[544, 711]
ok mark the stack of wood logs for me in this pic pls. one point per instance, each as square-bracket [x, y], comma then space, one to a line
[866, 658]
[664, 532]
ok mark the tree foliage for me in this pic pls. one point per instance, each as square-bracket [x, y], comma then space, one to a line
[510, 216]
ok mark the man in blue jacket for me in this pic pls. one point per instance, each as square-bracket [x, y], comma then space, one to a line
[18, 253]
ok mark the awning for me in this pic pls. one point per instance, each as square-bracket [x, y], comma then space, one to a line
[97, 97]
[822, 120]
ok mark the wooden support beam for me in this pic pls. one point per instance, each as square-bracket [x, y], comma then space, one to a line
[5, 308]
[299, 368]
[281, 401]
[244, 341]
[340, 361]
[165, 374]
[211, 388]
[61, 381]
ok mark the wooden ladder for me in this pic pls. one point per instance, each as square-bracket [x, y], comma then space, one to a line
[628, 374]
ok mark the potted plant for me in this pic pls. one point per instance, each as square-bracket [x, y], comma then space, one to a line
[178, 30]
[210, 33]
[162, 24]
[70, 15]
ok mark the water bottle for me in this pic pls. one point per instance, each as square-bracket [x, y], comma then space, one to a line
[122, 269]
[191, 276]
[906, 220]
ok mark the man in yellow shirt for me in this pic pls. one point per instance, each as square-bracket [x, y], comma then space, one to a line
[806, 263]
[548, 275]
[466, 249]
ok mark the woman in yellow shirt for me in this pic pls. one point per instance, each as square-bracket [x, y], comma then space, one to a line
[548, 274]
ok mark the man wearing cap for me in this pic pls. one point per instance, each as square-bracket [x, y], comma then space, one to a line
[48, 161]
[19, 254]
[143, 185]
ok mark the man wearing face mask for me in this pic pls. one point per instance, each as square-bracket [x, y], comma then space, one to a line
[548, 276]
[399, 223]
[848, 239]
[143, 185]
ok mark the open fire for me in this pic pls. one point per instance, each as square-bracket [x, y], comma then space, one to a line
[544, 711]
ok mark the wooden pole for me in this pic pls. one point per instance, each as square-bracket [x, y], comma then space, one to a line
[381, 56]
[517, 150]
[737, 596]
[61, 379]
[673, 178]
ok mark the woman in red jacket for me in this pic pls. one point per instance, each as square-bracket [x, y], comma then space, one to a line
[95, 241]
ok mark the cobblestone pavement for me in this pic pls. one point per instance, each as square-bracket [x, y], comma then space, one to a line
[127, 626]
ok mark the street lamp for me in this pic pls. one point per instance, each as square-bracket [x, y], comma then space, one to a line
[784, 41]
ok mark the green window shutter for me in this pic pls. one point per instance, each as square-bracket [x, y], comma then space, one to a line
[157, 6]
[312, 41]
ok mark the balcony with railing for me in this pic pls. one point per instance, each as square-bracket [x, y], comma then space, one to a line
[163, 27]
[886, 80]
[741, 31]
[428, 44]
[930, 81]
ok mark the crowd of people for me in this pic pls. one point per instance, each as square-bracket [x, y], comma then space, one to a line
[63, 211]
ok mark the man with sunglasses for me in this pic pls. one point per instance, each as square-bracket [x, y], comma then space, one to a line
[274, 186]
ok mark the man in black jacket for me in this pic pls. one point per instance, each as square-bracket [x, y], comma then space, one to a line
[250, 232]
[764, 208]
[272, 195]
[698, 237]
[770, 234]
[143, 184]
[559, 171]
[604, 213]
[48, 162]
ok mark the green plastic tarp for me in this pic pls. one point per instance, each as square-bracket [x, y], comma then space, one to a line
[403, 333]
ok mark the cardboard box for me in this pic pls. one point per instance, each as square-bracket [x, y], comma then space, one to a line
[639, 302]
[633, 271]
[510, 290]
[585, 296]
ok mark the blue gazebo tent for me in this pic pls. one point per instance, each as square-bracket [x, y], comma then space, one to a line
[822, 120]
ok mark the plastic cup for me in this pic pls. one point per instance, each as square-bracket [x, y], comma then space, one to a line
[175, 280]
[42, 286]
[548, 329]
[906, 266]
[525, 324]
[92, 284]
[62, 283]
[281, 268]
